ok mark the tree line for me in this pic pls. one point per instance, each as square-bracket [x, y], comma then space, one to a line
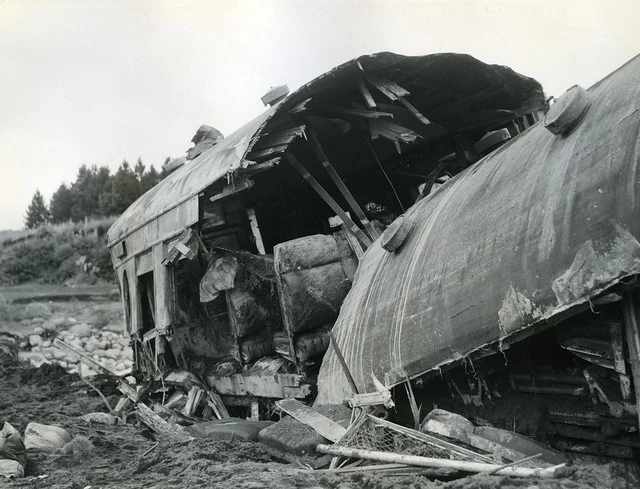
[96, 192]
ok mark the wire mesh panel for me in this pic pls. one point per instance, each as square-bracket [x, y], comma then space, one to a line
[366, 434]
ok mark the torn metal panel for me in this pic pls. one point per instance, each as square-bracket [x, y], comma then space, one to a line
[541, 225]
[178, 188]
[220, 275]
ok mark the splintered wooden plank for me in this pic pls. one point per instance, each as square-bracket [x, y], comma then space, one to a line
[279, 138]
[352, 111]
[330, 201]
[261, 154]
[320, 424]
[414, 111]
[392, 90]
[346, 193]
[366, 94]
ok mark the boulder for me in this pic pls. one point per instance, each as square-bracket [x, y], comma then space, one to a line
[48, 352]
[53, 324]
[71, 321]
[81, 330]
[35, 340]
[58, 354]
[38, 330]
[45, 437]
[46, 344]
[113, 353]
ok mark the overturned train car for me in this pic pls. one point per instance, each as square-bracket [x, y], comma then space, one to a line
[236, 265]
[524, 269]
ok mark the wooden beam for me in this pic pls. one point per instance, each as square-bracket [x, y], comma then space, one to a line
[321, 424]
[270, 386]
[631, 312]
[353, 111]
[159, 425]
[414, 111]
[351, 226]
[320, 154]
[343, 364]
[390, 89]
[462, 465]
[366, 94]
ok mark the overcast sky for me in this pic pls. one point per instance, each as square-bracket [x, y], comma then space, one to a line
[95, 82]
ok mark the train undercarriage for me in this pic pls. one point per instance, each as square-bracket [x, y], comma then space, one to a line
[569, 386]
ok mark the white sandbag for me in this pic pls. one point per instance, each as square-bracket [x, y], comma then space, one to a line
[11, 469]
[448, 424]
[45, 437]
[12, 449]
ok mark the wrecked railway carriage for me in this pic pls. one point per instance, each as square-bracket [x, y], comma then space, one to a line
[506, 292]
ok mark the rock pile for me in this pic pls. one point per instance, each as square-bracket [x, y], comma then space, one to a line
[105, 346]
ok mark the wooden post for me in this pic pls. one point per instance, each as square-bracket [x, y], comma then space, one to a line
[255, 411]
[286, 319]
[351, 226]
[630, 309]
[164, 298]
[317, 149]
[617, 346]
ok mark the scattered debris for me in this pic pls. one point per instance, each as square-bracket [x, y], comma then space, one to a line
[321, 424]
[100, 418]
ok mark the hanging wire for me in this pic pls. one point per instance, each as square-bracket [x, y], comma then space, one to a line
[385, 174]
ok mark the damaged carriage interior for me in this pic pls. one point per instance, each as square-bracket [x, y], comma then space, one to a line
[235, 267]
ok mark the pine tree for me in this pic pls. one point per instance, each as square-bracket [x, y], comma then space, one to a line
[61, 204]
[37, 212]
[149, 179]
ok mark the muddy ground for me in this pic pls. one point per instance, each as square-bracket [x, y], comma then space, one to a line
[124, 455]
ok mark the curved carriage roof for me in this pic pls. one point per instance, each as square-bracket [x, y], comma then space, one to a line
[439, 81]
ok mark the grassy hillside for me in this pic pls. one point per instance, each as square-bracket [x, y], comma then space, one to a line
[56, 254]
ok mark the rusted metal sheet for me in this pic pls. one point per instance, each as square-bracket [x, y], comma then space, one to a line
[543, 224]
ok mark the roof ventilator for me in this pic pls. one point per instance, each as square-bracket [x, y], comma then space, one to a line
[396, 234]
[568, 111]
